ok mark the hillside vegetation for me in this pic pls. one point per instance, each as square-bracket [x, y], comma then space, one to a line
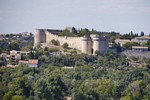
[100, 77]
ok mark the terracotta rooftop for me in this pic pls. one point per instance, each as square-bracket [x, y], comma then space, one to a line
[33, 61]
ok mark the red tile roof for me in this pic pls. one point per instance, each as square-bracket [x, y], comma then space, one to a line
[33, 61]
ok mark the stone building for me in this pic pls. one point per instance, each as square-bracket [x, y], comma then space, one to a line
[87, 45]
[30, 62]
[141, 39]
[122, 41]
[139, 48]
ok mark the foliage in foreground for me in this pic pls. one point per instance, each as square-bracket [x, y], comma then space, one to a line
[106, 76]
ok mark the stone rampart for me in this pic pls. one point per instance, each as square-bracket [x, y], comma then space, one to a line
[73, 42]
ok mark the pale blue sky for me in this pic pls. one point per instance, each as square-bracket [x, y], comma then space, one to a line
[104, 15]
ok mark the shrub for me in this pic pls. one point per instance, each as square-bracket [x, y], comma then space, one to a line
[53, 50]
[55, 42]
[65, 45]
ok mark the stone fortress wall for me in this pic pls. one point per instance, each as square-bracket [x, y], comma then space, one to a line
[87, 45]
[73, 42]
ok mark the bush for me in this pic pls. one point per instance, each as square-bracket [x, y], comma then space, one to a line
[55, 42]
[65, 45]
[53, 50]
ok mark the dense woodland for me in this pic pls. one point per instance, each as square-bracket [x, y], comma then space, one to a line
[103, 76]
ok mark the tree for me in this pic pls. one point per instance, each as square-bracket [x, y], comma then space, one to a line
[65, 45]
[116, 91]
[13, 46]
[53, 50]
[17, 97]
[128, 36]
[55, 42]
[8, 95]
[129, 45]
[97, 53]
[142, 33]
[73, 52]
[66, 32]
[135, 89]
[118, 47]
[131, 33]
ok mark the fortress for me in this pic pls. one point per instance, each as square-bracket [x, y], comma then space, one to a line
[88, 45]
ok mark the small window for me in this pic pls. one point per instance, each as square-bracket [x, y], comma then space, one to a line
[92, 50]
[18, 52]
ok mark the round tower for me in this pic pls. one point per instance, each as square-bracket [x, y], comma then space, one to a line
[37, 36]
[85, 45]
[42, 36]
[104, 44]
[90, 46]
[96, 44]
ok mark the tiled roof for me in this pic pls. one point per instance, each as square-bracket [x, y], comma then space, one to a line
[33, 61]
[143, 37]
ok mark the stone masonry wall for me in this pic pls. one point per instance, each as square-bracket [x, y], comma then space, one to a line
[73, 42]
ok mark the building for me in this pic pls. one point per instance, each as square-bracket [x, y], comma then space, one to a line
[14, 55]
[33, 63]
[141, 39]
[87, 45]
[136, 40]
[23, 62]
[30, 62]
[25, 34]
[2, 37]
[122, 41]
[8, 58]
[139, 48]
[19, 54]
[137, 54]
[3, 56]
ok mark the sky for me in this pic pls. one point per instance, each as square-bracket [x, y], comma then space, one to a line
[121, 16]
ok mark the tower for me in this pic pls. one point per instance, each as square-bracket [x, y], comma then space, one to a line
[86, 45]
[96, 43]
[39, 37]
[104, 44]
[36, 37]
[42, 36]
